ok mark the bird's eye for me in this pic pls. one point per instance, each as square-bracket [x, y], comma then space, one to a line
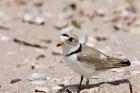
[70, 39]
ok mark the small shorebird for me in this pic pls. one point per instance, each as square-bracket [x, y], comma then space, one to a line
[86, 60]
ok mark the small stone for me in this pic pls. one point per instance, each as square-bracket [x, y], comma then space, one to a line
[73, 6]
[95, 77]
[101, 38]
[64, 83]
[40, 57]
[118, 26]
[48, 78]
[4, 38]
[4, 27]
[57, 88]
[38, 3]
[76, 24]
[28, 18]
[42, 89]
[117, 70]
[61, 24]
[71, 89]
[19, 65]
[101, 12]
[20, 2]
[40, 20]
[15, 81]
[36, 66]
[36, 76]
[125, 13]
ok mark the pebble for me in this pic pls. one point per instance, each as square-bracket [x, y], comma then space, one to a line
[36, 76]
[36, 66]
[20, 2]
[38, 3]
[71, 89]
[15, 81]
[95, 77]
[48, 78]
[73, 6]
[118, 26]
[40, 56]
[101, 12]
[124, 13]
[42, 89]
[101, 38]
[57, 88]
[76, 24]
[64, 83]
[40, 20]
[4, 38]
[117, 70]
[28, 18]
[61, 24]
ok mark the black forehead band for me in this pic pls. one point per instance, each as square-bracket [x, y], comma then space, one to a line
[65, 35]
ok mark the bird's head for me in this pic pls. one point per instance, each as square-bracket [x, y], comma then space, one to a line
[69, 42]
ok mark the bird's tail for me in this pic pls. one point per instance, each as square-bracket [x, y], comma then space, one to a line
[117, 63]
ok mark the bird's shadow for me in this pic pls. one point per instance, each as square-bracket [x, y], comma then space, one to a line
[116, 82]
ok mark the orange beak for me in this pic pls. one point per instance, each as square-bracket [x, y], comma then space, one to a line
[60, 43]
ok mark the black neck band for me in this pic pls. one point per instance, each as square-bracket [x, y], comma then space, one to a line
[78, 50]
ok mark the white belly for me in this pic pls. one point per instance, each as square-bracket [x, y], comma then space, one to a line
[78, 67]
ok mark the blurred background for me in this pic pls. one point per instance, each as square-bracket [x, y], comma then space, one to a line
[30, 62]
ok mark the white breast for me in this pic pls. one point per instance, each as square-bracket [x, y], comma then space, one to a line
[79, 67]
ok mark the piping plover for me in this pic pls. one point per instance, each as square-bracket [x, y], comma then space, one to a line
[86, 60]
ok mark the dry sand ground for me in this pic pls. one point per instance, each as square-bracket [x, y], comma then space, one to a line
[19, 61]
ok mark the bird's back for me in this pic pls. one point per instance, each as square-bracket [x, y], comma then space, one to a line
[92, 57]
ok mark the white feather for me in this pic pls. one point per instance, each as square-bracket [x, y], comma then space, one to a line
[78, 67]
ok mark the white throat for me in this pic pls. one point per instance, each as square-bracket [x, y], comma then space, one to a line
[69, 51]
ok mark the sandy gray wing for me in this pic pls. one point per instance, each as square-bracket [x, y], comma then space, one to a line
[92, 57]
